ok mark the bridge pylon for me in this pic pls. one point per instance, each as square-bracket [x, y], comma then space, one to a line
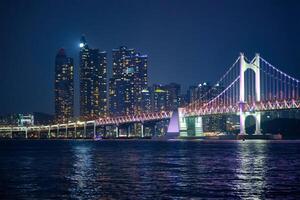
[254, 65]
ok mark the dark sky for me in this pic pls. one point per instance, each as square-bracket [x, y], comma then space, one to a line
[187, 42]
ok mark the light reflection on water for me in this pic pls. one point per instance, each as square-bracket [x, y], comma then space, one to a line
[149, 170]
[251, 169]
[82, 174]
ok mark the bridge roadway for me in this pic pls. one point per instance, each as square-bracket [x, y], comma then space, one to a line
[82, 129]
[260, 106]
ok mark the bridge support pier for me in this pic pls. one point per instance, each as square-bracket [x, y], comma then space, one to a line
[49, 132]
[257, 123]
[192, 126]
[26, 135]
[117, 131]
[94, 130]
[127, 131]
[142, 129]
[11, 133]
[257, 117]
[198, 127]
[57, 132]
[84, 130]
[242, 123]
[182, 123]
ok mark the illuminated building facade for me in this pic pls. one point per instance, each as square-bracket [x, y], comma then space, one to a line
[201, 92]
[136, 71]
[165, 97]
[159, 98]
[191, 94]
[129, 79]
[173, 93]
[146, 100]
[93, 82]
[64, 87]
[9, 120]
[117, 83]
[25, 120]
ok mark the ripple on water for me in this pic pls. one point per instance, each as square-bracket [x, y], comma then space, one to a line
[146, 169]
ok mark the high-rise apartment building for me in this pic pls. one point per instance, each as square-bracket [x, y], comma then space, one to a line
[129, 79]
[116, 83]
[159, 98]
[166, 97]
[146, 100]
[173, 92]
[64, 87]
[93, 81]
[137, 69]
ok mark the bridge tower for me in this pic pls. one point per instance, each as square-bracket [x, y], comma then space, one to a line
[255, 67]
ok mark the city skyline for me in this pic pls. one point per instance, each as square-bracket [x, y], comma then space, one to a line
[139, 99]
[220, 33]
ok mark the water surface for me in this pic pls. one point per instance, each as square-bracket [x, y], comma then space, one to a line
[70, 169]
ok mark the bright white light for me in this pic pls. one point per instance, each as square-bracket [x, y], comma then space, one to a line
[81, 45]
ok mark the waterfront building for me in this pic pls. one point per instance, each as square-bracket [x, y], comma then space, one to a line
[117, 83]
[146, 100]
[192, 94]
[203, 92]
[64, 87]
[138, 64]
[165, 97]
[9, 120]
[25, 120]
[183, 100]
[129, 79]
[173, 96]
[93, 81]
[159, 98]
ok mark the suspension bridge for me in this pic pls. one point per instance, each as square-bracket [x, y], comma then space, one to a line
[250, 88]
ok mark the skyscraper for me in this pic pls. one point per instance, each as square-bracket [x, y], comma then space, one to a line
[117, 83]
[93, 81]
[202, 92]
[129, 79]
[64, 87]
[173, 96]
[136, 71]
[146, 100]
[159, 98]
[192, 94]
[165, 97]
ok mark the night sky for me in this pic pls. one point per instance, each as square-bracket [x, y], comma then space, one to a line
[187, 42]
